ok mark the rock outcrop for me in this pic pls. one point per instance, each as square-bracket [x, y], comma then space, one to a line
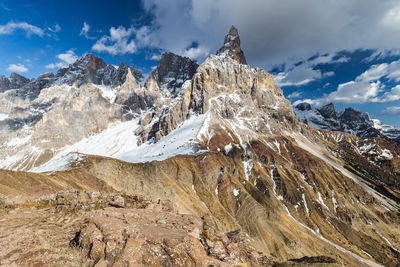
[89, 228]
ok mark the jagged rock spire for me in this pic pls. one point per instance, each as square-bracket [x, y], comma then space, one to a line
[231, 46]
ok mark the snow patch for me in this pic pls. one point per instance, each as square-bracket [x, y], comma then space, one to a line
[18, 141]
[248, 166]
[321, 201]
[106, 92]
[65, 162]
[228, 148]
[3, 116]
[119, 141]
[386, 154]
[236, 192]
[305, 204]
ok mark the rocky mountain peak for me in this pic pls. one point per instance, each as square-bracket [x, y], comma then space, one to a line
[17, 81]
[92, 62]
[303, 106]
[328, 111]
[231, 47]
[172, 71]
[352, 114]
[4, 83]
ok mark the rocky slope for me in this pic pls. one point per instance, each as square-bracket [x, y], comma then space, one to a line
[226, 148]
[349, 120]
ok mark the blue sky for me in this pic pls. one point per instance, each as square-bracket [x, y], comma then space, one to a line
[345, 52]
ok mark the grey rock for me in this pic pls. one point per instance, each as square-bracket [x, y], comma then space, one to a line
[172, 71]
[231, 46]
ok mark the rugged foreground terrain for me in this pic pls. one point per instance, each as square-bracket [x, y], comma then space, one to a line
[199, 165]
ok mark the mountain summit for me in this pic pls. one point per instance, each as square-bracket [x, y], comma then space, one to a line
[231, 46]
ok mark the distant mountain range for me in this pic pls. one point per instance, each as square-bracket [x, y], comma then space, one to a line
[350, 121]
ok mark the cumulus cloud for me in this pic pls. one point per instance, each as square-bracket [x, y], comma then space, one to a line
[368, 86]
[296, 94]
[17, 68]
[272, 32]
[391, 111]
[66, 58]
[85, 31]
[30, 30]
[195, 52]
[118, 42]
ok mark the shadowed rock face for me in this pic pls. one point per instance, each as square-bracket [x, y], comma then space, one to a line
[172, 71]
[231, 46]
[15, 81]
[303, 106]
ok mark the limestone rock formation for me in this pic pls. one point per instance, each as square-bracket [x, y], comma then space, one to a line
[172, 71]
[231, 47]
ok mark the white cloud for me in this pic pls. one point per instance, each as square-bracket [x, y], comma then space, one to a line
[195, 52]
[312, 102]
[118, 42]
[392, 95]
[391, 111]
[58, 65]
[66, 58]
[328, 74]
[85, 31]
[17, 68]
[10, 27]
[305, 72]
[356, 92]
[155, 57]
[55, 28]
[295, 94]
[271, 32]
[381, 54]
[297, 77]
[368, 87]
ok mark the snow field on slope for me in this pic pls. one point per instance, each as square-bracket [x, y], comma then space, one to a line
[119, 141]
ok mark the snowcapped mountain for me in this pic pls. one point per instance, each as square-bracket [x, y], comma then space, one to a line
[349, 120]
[217, 138]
